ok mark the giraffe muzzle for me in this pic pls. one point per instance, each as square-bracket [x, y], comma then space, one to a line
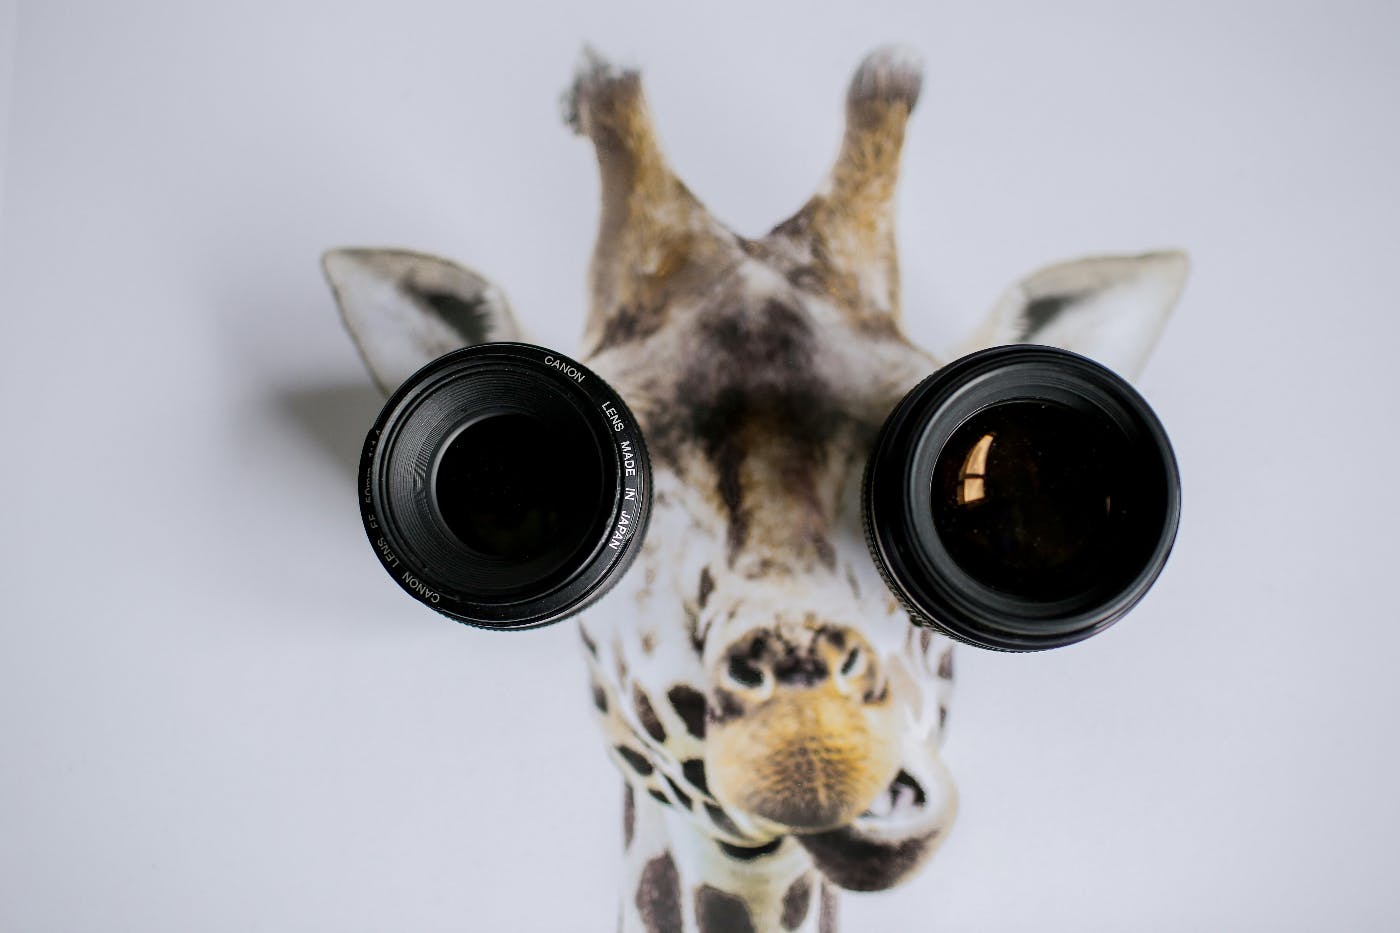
[808, 759]
[802, 731]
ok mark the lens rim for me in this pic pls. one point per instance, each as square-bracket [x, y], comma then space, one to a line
[898, 496]
[404, 448]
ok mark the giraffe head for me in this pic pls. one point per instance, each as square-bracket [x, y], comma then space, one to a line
[753, 673]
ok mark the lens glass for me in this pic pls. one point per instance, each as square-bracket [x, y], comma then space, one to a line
[1035, 499]
[513, 488]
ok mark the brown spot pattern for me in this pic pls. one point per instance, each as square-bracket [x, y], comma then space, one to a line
[826, 923]
[689, 705]
[659, 895]
[629, 815]
[638, 761]
[647, 715]
[722, 820]
[796, 902]
[945, 664]
[694, 771]
[681, 796]
[707, 586]
[717, 911]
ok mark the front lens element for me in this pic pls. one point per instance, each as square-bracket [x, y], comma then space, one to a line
[1032, 498]
[513, 488]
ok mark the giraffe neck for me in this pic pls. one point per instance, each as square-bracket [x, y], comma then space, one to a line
[677, 879]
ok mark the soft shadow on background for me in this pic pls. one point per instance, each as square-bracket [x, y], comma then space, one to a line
[334, 418]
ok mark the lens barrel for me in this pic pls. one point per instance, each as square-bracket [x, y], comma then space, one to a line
[1021, 498]
[505, 486]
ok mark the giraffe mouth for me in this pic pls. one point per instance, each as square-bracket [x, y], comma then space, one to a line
[895, 835]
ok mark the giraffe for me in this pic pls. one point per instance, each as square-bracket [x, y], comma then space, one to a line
[775, 714]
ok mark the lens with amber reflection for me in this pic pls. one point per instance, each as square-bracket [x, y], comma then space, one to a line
[1021, 498]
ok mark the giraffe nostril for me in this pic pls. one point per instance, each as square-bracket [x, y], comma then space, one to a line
[853, 663]
[743, 673]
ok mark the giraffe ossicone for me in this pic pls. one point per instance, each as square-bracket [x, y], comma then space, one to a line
[775, 715]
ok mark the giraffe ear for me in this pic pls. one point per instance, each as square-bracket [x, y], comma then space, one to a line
[404, 309]
[1109, 308]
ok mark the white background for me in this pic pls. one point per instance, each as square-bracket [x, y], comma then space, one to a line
[217, 714]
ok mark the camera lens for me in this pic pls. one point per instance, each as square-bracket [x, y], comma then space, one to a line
[504, 496]
[505, 485]
[1024, 499]
[1021, 498]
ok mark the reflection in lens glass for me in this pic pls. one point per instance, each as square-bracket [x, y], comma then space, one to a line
[972, 478]
[1033, 498]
